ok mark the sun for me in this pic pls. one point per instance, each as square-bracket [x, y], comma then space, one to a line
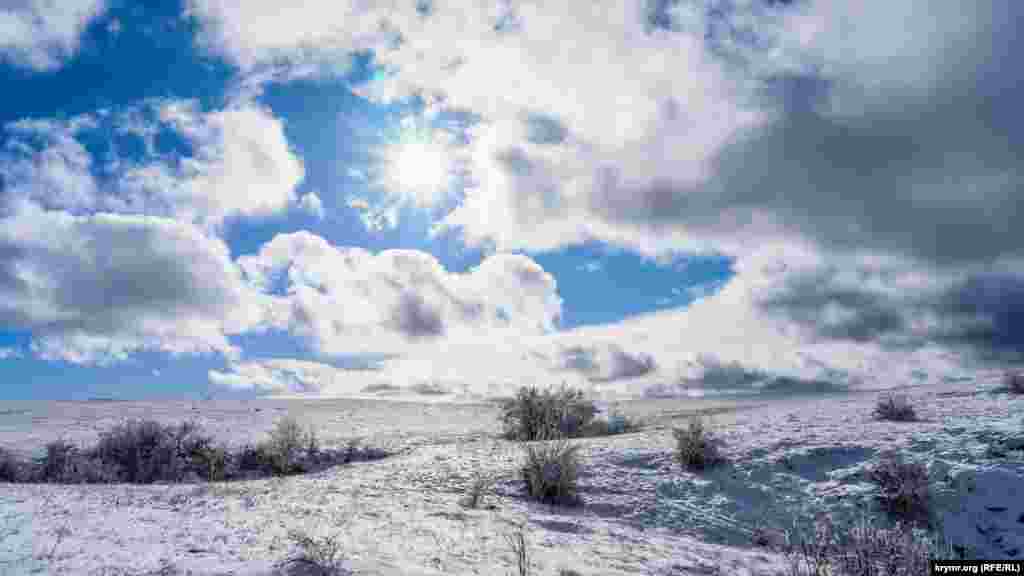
[418, 165]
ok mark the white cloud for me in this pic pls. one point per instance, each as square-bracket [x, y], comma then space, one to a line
[590, 266]
[768, 128]
[320, 33]
[740, 337]
[94, 289]
[349, 301]
[41, 34]
[57, 176]
[241, 165]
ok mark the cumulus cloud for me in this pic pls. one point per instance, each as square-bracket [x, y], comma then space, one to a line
[42, 35]
[859, 162]
[243, 164]
[93, 289]
[320, 34]
[809, 119]
[348, 300]
[234, 162]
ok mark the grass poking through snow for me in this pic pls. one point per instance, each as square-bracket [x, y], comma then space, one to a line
[322, 556]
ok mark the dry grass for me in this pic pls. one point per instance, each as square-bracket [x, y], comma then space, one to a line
[862, 549]
[322, 556]
[696, 447]
[551, 470]
[894, 409]
[517, 542]
[479, 486]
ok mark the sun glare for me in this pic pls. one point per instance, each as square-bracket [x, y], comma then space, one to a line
[418, 165]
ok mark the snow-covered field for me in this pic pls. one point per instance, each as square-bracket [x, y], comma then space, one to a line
[790, 458]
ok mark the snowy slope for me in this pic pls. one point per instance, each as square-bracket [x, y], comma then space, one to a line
[643, 514]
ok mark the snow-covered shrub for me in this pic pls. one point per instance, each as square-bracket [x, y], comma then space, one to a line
[540, 415]
[903, 488]
[551, 470]
[145, 451]
[289, 445]
[696, 447]
[894, 408]
[65, 463]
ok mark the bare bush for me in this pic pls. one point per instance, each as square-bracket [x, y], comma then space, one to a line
[696, 447]
[903, 487]
[540, 415]
[550, 472]
[65, 463]
[895, 409]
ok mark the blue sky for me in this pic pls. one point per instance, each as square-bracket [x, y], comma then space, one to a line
[639, 198]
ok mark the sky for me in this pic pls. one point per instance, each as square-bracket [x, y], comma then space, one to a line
[442, 199]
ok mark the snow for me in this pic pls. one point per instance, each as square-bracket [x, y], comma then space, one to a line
[643, 514]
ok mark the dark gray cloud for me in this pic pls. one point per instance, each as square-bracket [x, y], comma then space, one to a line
[980, 314]
[806, 298]
[719, 375]
[990, 313]
[933, 172]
